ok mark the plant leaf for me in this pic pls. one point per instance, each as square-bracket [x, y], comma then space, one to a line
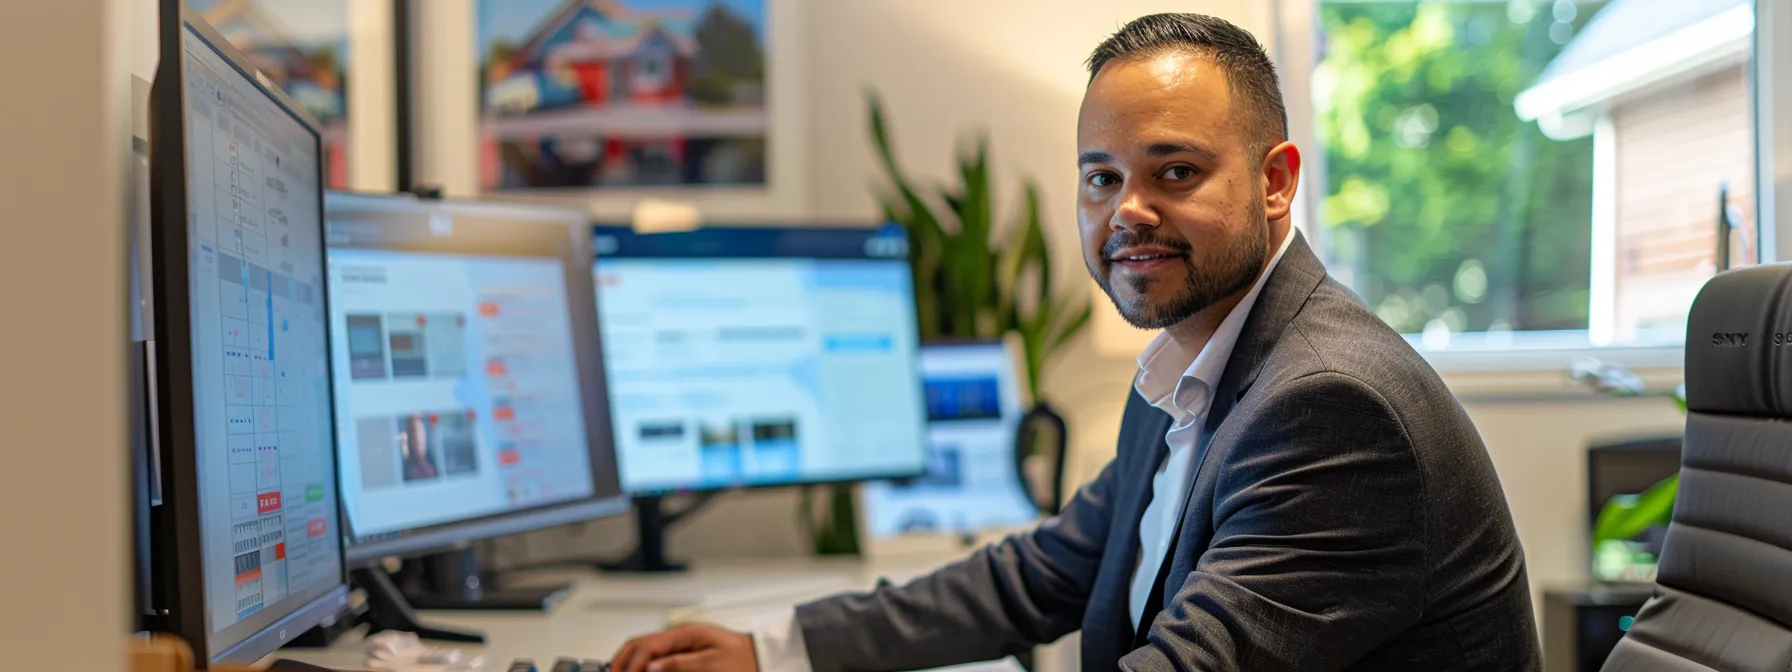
[1079, 318]
[1623, 519]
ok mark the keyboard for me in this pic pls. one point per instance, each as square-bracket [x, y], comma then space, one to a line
[560, 665]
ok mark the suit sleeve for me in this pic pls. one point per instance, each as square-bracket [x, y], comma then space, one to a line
[1317, 555]
[1025, 590]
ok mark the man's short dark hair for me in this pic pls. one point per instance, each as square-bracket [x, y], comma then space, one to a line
[1248, 70]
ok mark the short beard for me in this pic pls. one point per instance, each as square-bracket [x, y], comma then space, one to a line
[1228, 271]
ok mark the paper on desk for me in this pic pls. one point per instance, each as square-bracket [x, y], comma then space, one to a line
[393, 651]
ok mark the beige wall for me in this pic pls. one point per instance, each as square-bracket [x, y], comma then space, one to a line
[62, 500]
[1538, 447]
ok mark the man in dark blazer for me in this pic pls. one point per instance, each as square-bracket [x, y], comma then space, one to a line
[1294, 488]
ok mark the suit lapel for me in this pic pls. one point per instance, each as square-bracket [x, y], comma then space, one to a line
[1283, 295]
[1143, 426]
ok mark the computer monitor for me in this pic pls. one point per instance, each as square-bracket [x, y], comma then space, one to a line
[469, 390]
[1622, 469]
[246, 553]
[972, 483]
[741, 357]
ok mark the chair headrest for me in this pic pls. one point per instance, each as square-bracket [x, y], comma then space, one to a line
[1739, 343]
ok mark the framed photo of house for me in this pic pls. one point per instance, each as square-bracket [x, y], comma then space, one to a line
[595, 94]
[603, 103]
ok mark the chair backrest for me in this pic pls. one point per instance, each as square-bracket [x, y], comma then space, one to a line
[1723, 598]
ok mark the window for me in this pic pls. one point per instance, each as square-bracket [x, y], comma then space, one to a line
[1531, 173]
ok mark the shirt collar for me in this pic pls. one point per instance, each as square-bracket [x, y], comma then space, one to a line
[1179, 382]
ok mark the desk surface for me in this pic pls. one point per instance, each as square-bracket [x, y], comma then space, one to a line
[603, 611]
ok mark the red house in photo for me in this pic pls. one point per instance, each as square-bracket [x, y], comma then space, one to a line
[597, 65]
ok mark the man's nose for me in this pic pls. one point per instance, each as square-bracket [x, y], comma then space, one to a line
[1135, 212]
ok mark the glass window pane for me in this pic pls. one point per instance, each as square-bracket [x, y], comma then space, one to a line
[1534, 165]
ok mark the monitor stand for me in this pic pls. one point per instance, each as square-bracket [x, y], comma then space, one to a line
[651, 522]
[455, 581]
[385, 609]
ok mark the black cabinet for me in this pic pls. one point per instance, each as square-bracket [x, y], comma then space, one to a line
[1582, 624]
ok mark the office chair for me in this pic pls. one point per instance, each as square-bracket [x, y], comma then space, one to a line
[1723, 595]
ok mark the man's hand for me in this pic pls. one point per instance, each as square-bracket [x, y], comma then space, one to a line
[690, 647]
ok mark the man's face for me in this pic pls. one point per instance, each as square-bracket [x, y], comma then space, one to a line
[419, 437]
[1171, 199]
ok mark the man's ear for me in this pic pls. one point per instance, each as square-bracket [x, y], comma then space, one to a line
[1281, 178]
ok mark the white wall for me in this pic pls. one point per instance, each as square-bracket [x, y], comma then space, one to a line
[62, 349]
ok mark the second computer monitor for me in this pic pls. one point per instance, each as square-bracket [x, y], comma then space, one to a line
[468, 388]
[756, 356]
[972, 484]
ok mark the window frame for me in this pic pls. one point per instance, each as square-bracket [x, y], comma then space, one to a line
[1295, 48]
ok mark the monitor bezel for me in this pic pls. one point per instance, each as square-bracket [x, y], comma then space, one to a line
[598, 228]
[180, 585]
[587, 352]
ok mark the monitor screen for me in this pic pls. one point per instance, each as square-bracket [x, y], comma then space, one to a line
[742, 357]
[266, 488]
[972, 483]
[457, 341]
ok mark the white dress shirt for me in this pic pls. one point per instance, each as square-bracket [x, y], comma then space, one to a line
[1181, 384]
[1174, 380]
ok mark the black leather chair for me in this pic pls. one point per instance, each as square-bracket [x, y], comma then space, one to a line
[1723, 595]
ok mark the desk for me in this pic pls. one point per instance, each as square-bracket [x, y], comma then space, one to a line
[603, 611]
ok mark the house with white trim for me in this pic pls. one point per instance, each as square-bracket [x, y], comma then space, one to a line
[1661, 86]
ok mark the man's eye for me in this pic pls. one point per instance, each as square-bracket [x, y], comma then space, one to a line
[1179, 173]
[1101, 180]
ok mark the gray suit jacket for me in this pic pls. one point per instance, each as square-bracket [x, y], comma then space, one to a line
[1344, 515]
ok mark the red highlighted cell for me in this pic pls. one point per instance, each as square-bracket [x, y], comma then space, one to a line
[509, 457]
[250, 576]
[267, 502]
[314, 528]
[504, 413]
[280, 551]
[495, 367]
[488, 309]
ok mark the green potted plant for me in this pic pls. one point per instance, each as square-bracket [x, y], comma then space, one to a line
[976, 277]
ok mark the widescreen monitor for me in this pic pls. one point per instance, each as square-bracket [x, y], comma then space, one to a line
[245, 552]
[468, 387]
[972, 483]
[760, 356]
